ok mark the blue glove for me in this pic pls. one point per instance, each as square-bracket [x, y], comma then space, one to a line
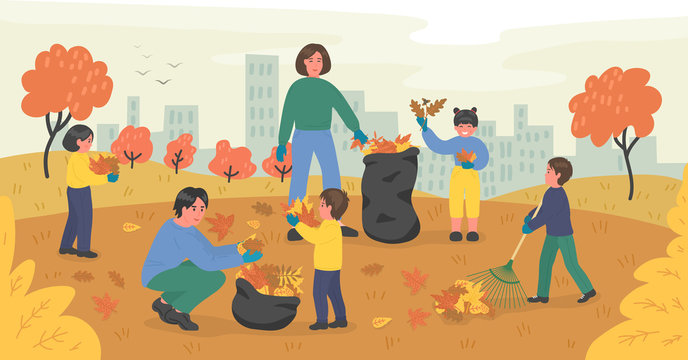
[292, 219]
[281, 151]
[360, 136]
[467, 165]
[525, 229]
[252, 257]
[527, 219]
[422, 122]
[112, 177]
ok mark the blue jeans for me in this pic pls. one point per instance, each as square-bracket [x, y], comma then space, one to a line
[80, 219]
[304, 144]
[327, 283]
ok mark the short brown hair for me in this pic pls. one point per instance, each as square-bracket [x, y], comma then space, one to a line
[307, 52]
[336, 198]
[561, 166]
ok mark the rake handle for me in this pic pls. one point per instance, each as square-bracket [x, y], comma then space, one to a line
[524, 235]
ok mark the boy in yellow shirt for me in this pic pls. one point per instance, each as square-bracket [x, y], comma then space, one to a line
[327, 257]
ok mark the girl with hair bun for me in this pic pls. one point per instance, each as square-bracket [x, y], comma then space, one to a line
[464, 181]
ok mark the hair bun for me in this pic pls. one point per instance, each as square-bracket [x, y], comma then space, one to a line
[474, 109]
[456, 110]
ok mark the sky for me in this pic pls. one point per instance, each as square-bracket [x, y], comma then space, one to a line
[489, 54]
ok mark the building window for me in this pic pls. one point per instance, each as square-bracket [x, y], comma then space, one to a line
[536, 137]
[545, 134]
[492, 176]
[262, 113]
[262, 131]
[434, 157]
[491, 147]
[532, 168]
[250, 93]
[269, 69]
[542, 154]
[269, 90]
[356, 108]
[261, 68]
[271, 111]
[272, 131]
[112, 133]
[171, 117]
[518, 137]
[441, 185]
[520, 125]
[133, 105]
[253, 131]
[522, 166]
[431, 168]
[508, 149]
[532, 154]
[509, 170]
[171, 134]
[253, 113]
[442, 170]
[179, 117]
[485, 178]
[491, 131]
[487, 191]
[191, 117]
[527, 137]
[501, 149]
[251, 68]
[520, 112]
[501, 173]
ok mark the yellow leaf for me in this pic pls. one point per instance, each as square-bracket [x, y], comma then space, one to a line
[284, 291]
[130, 227]
[254, 224]
[379, 322]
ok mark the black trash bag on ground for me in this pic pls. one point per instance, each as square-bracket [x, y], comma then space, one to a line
[386, 186]
[262, 312]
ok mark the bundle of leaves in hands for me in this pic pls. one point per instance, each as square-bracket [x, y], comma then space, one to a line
[462, 298]
[464, 156]
[304, 210]
[271, 279]
[380, 145]
[251, 245]
[104, 165]
[429, 108]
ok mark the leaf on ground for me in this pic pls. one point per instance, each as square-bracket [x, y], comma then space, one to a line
[221, 225]
[262, 208]
[83, 276]
[453, 315]
[379, 322]
[372, 269]
[414, 280]
[446, 301]
[253, 224]
[130, 227]
[417, 317]
[116, 278]
[105, 305]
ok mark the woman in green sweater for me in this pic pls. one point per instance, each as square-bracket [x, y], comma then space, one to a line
[308, 107]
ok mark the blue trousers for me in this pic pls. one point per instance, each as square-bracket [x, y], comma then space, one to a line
[327, 283]
[305, 143]
[80, 219]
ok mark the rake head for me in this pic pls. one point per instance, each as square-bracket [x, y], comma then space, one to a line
[502, 287]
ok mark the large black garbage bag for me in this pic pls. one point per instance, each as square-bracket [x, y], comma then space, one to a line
[263, 312]
[386, 186]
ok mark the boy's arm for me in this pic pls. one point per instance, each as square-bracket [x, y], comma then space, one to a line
[434, 143]
[551, 206]
[344, 110]
[319, 235]
[482, 156]
[288, 118]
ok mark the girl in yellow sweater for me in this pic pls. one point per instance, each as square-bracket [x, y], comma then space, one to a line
[78, 140]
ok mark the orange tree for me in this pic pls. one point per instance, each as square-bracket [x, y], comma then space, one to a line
[232, 163]
[180, 153]
[133, 145]
[275, 168]
[64, 79]
[610, 105]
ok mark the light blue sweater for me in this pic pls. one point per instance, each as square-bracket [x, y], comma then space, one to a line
[174, 243]
[455, 144]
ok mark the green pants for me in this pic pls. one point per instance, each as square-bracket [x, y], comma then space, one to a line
[568, 251]
[187, 285]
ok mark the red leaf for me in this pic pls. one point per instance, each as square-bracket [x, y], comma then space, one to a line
[105, 305]
[254, 275]
[415, 280]
[447, 300]
[221, 225]
[417, 317]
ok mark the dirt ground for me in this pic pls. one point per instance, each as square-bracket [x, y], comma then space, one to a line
[609, 249]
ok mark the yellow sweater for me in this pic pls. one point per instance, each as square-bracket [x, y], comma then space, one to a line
[79, 175]
[328, 244]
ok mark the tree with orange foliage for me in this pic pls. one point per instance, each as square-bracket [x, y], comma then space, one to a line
[64, 79]
[275, 168]
[611, 104]
[227, 160]
[180, 153]
[133, 145]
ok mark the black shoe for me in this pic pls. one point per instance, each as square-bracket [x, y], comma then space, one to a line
[349, 232]
[87, 254]
[162, 309]
[472, 236]
[537, 299]
[587, 296]
[70, 251]
[455, 236]
[318, 326]
[294, 235]
[338, 324]
[180, 318]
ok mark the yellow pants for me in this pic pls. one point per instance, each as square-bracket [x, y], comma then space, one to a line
[464, 181]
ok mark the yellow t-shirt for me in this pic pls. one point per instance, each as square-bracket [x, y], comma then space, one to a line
[79, 175]
[328, 244]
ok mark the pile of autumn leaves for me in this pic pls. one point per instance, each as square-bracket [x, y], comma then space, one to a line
[380, 145]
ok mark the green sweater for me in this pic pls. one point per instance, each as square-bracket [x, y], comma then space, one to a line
[309, 104]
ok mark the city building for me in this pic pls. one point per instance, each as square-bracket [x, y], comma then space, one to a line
[178, 119]
[106, 134]
[133, 111]
[262, 107]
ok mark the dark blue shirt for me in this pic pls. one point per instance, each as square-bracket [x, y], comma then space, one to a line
[555, 213]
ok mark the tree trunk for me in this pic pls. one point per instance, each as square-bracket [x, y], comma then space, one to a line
[283, 171]
[176, 163]
[630, 174]
[59, 125]
[627, 153]
[230, 175]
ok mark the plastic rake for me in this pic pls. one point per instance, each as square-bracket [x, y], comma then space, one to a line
[501, 285]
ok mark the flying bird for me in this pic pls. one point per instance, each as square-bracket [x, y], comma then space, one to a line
[147, 56]
[143, 73]
[137, 46]
[163, 82]
[174, 65]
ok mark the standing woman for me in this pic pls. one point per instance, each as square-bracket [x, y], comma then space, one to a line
[78, 140]
[308, 107]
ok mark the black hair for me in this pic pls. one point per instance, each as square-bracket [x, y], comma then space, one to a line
[81, 132]
[187, 197]
[466, 117]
